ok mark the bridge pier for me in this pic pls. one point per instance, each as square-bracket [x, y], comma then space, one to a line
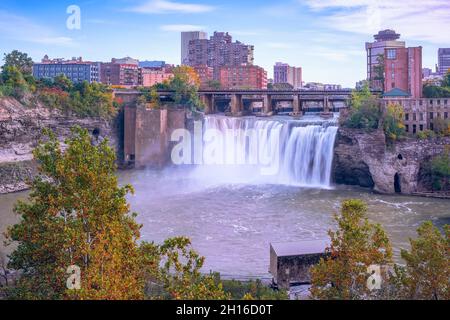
[267, 104]
[237, 105]
[297, 106]
[208, 101]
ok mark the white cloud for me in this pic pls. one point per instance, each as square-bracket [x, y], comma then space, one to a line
[181, 27]
[23, 29]
[279, 45]
[165, 6]
[413, 19]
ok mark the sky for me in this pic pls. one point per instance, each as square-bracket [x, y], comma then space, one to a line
[325, 37]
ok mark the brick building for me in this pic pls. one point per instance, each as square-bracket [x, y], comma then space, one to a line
[75, 69]
[152, 76]
[206, 75]
[403, 70]
[219, 51]
[284, 73]
[115, 74]
[420, 114]
[243, 77]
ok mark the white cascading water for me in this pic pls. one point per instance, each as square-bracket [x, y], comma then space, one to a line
[290, 152]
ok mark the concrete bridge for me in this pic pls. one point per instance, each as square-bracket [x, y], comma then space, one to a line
[241, 102]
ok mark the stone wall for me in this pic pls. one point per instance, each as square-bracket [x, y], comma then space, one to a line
[366, 160]
[21, 129]
[147, 135]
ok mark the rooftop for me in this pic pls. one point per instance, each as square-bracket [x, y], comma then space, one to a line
[387, 35]
[286, 249]
[396, 92]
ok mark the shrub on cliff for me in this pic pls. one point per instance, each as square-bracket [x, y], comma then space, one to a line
[364, 112]
[393, 122]
[77, 219]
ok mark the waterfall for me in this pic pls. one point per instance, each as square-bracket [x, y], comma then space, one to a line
[275, 150]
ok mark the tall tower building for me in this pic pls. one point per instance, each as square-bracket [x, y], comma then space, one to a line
[186, 37]
[443, 60]
[284, 73]
[219, 51]
[385, 39]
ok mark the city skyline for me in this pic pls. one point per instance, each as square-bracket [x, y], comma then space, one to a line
[315, 35]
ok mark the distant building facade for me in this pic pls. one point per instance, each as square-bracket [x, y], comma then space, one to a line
[443, 60]
[114, 74]
[219, 51]
[403, 70]
[76, 69]
[186, 37]
[152, 64]
[152, 76]
[206, 75]
[284, 73]
[390, 65]
[421, 114]
[385, 39]
[126, 60]
[243, 77]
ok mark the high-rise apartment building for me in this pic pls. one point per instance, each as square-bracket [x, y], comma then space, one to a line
[385, 39]
[284, 73]
[76, 69]
[443, 60]
[186, 37]
[219, 51]
[243, 77]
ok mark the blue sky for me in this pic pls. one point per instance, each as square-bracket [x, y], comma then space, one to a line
[325, 37]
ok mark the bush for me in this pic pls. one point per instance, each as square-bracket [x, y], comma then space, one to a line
[364, 111]
[393, 122]
[441, 127]
[426, 134]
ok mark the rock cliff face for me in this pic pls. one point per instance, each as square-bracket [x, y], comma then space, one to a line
[364, 159]
[20, 130]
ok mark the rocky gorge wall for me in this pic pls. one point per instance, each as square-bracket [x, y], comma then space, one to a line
[364, 159]
[20, 130]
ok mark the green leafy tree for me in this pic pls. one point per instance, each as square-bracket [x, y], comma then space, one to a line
[13, 83]
[426, 275]
[364, 112]
[355, 245]
[379, 71]
[78, 215]
[19, 60]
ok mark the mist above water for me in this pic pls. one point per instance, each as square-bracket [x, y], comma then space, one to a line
[279, 150]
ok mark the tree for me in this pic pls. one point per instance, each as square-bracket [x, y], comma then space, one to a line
[214, 84]
[427, 271]
[393, 121]
[77, 215]
[355, 245]
[19, 60]
[379, 70]
[364, 112]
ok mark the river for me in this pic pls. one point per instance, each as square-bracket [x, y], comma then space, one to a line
[233, 211]
[233, 224]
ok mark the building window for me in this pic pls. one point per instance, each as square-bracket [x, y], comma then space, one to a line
[431, 115]
[421, 127]
[407, 116]
[421, 116]
[414, 128]
[445, 115]
[407, 128]
[414, 117]
[392, 54]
